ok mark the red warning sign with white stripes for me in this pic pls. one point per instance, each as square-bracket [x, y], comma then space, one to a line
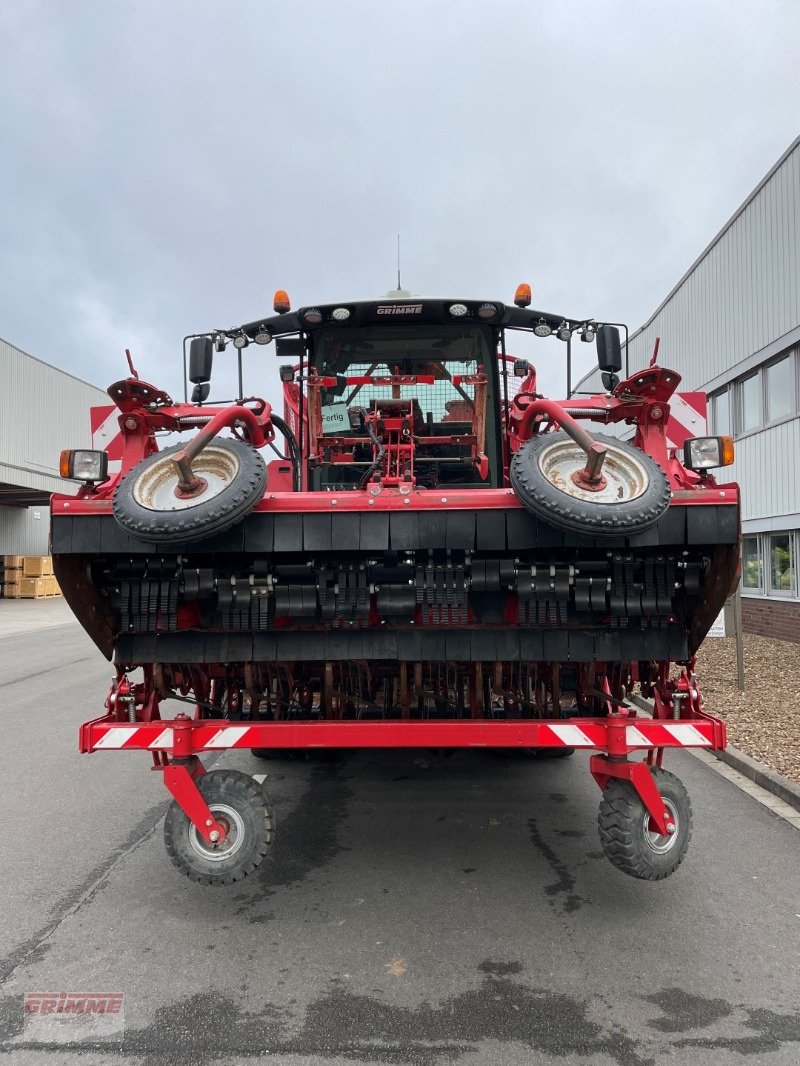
[107, 436]
[687, 418]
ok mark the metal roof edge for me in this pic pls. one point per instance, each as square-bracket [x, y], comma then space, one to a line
[715, 240]
[50, 366]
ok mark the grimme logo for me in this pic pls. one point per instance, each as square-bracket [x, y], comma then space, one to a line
[400, 309]
[66, 1016]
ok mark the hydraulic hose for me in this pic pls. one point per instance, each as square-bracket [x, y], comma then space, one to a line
[378, 458]
[294, 448]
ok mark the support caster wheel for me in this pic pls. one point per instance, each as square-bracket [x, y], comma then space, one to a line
[239, 802]
[628, 837]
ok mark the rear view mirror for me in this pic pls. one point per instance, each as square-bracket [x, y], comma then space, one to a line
[200, 392]
[201, 356]
[609, 349]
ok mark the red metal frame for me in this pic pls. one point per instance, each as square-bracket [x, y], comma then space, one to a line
[618, 734]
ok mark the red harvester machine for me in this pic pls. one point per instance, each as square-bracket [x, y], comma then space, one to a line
[438, 557]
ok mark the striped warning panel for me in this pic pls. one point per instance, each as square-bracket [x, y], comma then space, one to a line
[586, 733]
[687, 418]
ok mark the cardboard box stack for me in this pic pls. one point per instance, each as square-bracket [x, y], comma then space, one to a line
[12, 575]
[29, 577]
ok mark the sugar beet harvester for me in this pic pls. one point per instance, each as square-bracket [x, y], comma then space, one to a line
[438, 557]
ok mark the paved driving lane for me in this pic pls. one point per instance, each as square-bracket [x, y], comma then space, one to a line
[416, 909]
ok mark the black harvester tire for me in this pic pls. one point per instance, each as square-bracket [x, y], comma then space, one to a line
[637, 496]
[624, 834]
[240, 801]
[240, 477]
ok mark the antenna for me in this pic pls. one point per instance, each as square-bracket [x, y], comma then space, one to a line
[398, 263]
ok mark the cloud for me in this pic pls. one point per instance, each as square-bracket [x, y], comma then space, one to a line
[167, 166]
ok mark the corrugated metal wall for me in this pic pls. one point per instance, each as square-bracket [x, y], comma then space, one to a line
[740, 297]
[22, 532]
[770, 485]
[42, 410]
[742, 293]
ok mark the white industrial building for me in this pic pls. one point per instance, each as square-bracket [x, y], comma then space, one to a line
[731, 328]
[42, 410]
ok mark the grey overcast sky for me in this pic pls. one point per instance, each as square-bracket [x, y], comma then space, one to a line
[168, 164]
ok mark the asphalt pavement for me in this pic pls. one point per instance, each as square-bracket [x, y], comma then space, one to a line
[417, 907]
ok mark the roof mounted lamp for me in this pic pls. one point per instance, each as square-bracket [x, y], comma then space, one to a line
[522, 297]
[281, 303]
[262, 335]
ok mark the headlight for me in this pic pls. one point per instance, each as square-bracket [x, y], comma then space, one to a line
[706, 453]
[84, 465]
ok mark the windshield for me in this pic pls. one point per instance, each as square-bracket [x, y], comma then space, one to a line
[447, 366]
[438, 352]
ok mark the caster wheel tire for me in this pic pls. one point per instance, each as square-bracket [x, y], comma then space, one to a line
[237, 801]
[634, 496]
[232, 476]
[628, 837]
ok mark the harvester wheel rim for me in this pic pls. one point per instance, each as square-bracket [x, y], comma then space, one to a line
[625, 476]
[155, 487]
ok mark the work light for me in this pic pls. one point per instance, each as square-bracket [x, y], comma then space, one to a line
[83, 465]
[706, 453]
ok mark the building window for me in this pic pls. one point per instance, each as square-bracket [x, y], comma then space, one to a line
[780, 389]
[781, 569]
[749, 404]
[752, 569]
[769, 565]
[720, 412]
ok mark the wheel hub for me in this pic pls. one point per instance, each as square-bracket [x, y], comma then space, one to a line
[233, 824]
[654, 840]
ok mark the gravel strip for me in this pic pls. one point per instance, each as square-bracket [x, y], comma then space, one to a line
[764, 720]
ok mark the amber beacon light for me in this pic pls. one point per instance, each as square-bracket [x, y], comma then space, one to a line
[522, 297]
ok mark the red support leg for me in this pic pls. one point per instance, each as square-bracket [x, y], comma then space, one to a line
[180, 780]
[638, 774]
